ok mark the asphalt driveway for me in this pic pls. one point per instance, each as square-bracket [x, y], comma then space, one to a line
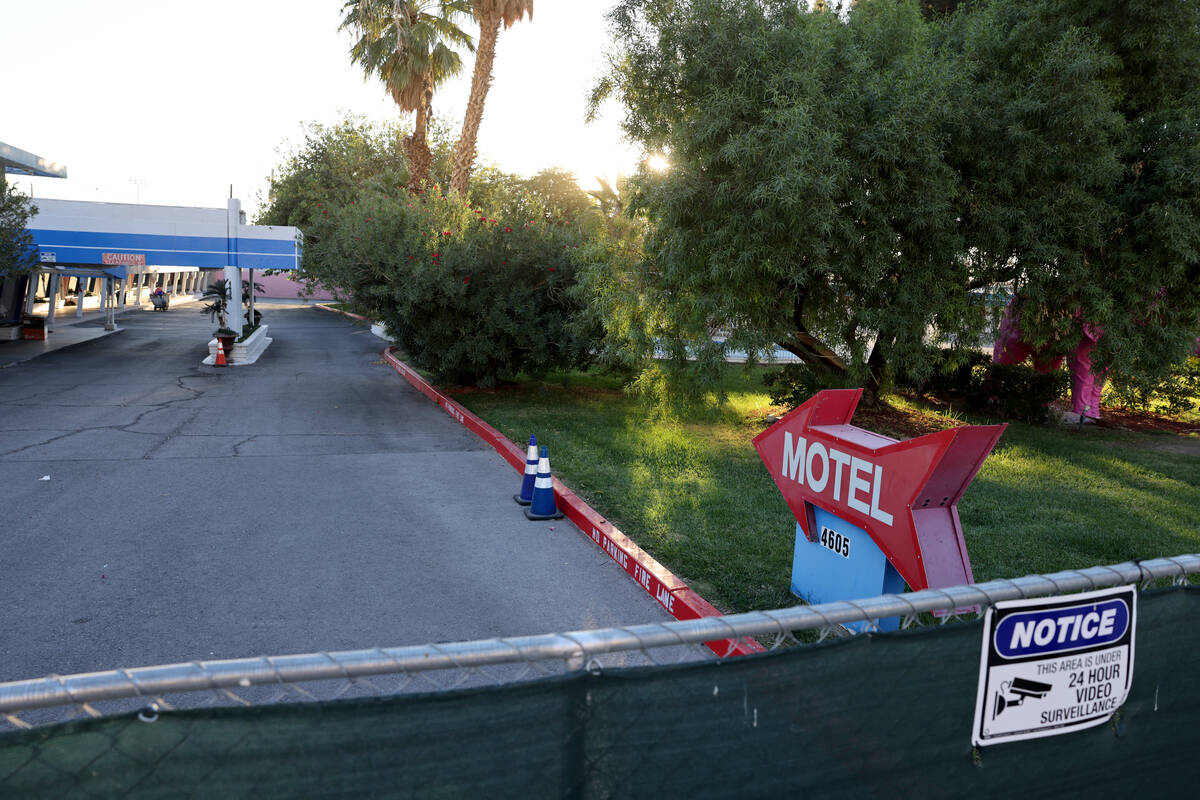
[312, 501]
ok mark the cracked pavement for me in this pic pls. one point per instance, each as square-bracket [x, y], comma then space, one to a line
[312, 501]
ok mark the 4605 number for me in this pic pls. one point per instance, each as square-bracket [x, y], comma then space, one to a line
[836, 542]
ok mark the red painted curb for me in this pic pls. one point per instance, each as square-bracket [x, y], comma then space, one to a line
[659, 582]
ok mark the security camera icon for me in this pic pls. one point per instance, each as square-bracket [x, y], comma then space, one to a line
[1018, 690]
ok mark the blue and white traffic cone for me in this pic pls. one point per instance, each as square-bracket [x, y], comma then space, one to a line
[531, 465]
[542, 506]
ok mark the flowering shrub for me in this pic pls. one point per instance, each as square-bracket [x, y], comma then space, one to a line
[476, 299]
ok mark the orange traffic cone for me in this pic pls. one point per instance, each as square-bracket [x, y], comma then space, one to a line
[220, 362]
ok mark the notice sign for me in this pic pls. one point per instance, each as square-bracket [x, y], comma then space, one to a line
[123, 259]
[1054, 665]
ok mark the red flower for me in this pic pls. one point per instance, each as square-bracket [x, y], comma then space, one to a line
[552, 269]
[410, 258]
[507, 230]
[445, 233]
[318, 205]
[467, 279]
[324, 212]
[435, 255]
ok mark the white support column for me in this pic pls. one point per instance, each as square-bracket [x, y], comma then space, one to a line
[80, 291]
[137, 295]
[52, 296]
[233, 272]
[251, 312]
[108, 303]
[31, 287]
[122, 290]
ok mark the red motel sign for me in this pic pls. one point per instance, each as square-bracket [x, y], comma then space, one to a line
[903, 494]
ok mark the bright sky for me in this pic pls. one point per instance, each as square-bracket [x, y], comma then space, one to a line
[169, 102]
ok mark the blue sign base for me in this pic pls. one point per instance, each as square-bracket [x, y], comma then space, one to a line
[843, 564]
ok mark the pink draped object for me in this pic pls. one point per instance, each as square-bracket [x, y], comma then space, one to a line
[1086, 387]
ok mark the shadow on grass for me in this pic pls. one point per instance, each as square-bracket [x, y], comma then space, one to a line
[696, 496]
[1048, 502]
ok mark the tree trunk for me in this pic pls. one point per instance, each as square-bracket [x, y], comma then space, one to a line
[481, 81]
[875, 368]
[809, 348]
[416, 147]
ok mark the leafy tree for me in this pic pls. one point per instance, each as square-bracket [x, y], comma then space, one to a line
[409, 44]
[336, 162]
[1080, 159]
[333, 163]
[16, 245]
[612, 205]
[564, 201]
[849, 186]
[476, 289]
[475, 299]
[808, 203]
[489, 14]
[553, 195]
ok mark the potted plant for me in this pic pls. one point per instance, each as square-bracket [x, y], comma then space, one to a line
[217, 297]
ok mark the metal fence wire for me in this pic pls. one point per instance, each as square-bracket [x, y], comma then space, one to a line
[382, 672]
[569, 720]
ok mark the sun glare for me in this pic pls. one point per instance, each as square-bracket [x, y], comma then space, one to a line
[658, 163]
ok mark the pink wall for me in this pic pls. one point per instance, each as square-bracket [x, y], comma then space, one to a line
[281, 286]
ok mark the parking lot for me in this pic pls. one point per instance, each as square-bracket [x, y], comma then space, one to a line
[156, 510]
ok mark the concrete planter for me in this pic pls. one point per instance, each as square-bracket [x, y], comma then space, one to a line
[244, 353]
[380, 330]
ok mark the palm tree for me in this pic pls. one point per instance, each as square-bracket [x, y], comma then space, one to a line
[489, 14]
[407, 44]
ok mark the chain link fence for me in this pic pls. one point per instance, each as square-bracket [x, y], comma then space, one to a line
[556, 714]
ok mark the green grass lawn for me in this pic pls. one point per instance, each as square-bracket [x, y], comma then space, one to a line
[694, 493]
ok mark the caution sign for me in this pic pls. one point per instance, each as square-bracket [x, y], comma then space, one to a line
[1056, 665]
[123, 259]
